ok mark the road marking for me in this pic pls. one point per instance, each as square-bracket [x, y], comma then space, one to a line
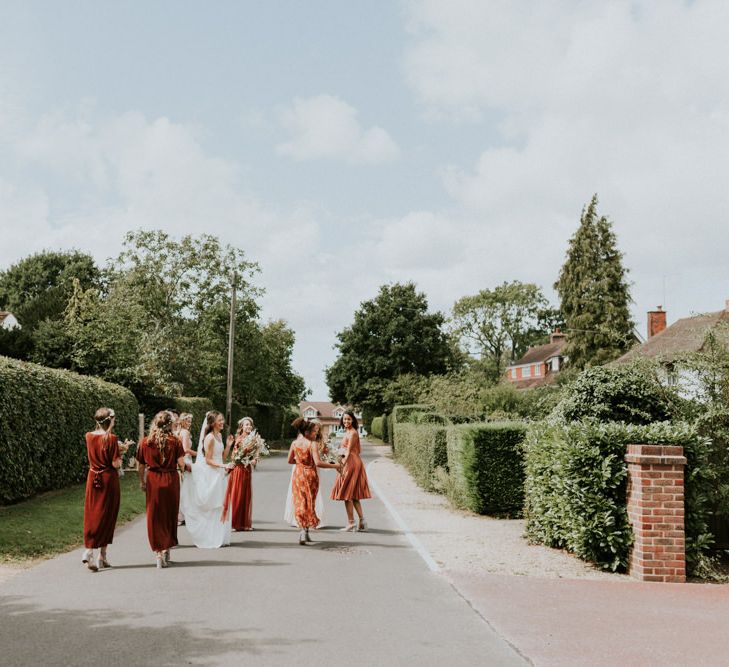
[416, 543]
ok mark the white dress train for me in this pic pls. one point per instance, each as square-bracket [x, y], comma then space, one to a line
[289, 516]
[201, 500]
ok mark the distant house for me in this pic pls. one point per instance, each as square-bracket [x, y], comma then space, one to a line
[8, 321]
[328, 415]
[668, 344]
[540, 365]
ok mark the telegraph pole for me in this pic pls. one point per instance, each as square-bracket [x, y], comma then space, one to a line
[231, 349]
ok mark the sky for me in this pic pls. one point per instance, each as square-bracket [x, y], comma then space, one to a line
[348, 145]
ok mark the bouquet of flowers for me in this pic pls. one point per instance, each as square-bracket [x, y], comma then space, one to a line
[330, 453]
[126, 454]
[251, 449]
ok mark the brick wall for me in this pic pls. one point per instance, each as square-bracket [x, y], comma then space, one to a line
[656, 512]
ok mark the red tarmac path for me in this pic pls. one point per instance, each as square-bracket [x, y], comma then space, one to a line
[587, 622]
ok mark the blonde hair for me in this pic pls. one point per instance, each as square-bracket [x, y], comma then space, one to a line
[161, 430]
[239, 431]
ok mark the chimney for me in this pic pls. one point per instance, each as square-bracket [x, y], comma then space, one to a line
[556, 336]
[656, 321]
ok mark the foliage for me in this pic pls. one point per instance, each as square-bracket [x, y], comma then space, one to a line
[576, 478]
[36, 290]
[421, 447]
[630, 393]
[499, 325]
[52, 523]
[195, 405]
[44, 414]
[402, 414]
[271, 421]
[392, 335]
[377, 427]
[594, 293]
[486, 467]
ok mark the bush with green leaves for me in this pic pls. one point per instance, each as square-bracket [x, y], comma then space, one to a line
[44, 415]
[486, 468]
[629, 393]
[377, 427]
[197, 406]
[402, 414]
[386, 428]
[421, 448]
[576, 478]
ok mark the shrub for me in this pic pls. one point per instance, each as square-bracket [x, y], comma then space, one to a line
[197, 406]
[422, 449]
[44, 414]
[630, 393]
[377, 427]
[576, 479]
[486, 467]
[401, 413]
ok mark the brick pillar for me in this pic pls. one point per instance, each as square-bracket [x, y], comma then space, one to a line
[656, 512]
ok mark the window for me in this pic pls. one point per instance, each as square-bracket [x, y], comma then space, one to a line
[512, 373]
[526, 372]
[537, 370]
[338, 414]
[310, 413]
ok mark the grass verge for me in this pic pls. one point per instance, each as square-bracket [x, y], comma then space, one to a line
[52, 523]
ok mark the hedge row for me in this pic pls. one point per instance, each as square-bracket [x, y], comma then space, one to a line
[421, 448]
[197, 406]
[44, 414]
[486, 469]
[377, 423]
[272, 422]
[401, 414]
[576, 479]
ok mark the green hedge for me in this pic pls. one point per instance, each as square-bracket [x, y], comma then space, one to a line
[576, 479]
[44, 414]
[272, 421]
[422, 449]
[486, 468]
[377, 427]
[197, 406]
[387, 428]
[402, 414]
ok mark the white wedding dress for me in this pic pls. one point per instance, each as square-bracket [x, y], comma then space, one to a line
[201, 501]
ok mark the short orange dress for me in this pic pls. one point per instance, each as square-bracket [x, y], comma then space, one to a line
[352, 483]
[304, 487]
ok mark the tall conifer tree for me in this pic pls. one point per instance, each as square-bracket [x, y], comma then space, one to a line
[595, 293]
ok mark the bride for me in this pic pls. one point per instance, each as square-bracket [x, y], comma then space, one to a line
[203, 492]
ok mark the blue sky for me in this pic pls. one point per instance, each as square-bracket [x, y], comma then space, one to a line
[346, 145]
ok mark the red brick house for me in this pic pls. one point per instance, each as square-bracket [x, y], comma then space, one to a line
[540, 364]
[328, 415]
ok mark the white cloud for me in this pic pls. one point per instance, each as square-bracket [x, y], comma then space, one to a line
[627, 99]
[325, 127]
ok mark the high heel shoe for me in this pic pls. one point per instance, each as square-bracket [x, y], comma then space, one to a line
[306, 534]
[302, 537]
[349, 528]
[166, 556]
[362, 526]
[103, 563]
[88, 560]
[160, 561]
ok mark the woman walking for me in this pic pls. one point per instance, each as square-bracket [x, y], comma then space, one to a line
[183, 433]
[239, 496]
[305, 482]
[351, 486]
[161, 454]
[101, 504]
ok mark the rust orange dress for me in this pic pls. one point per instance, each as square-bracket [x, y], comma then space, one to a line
[352, 483]
[101, 505]
[163, 491]
[304, 487]
[239, 497]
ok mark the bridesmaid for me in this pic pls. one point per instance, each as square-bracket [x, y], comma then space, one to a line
[162, 455]
[305, 482]
[239, 496]
[101, 505]
[351, 486]
[183, 433]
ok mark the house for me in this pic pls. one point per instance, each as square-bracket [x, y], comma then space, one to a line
[328, 415]
[8, 321]
[669, 344]
[540, 364]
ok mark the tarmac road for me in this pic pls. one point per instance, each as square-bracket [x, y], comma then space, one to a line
[348, 599]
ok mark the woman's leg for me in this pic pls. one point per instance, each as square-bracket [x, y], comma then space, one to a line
[358, 507]
[350, 511]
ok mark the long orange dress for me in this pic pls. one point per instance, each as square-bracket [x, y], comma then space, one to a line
[101, 505]
[163, 491]
[239, 497]
[304, 487]
[352, 483]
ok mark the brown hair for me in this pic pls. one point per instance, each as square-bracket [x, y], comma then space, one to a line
[303, 426]
[210, 419]
[239, 430]
[355, 423]
[160, 431]
[104, 417]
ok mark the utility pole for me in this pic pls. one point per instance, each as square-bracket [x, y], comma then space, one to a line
[231, 349]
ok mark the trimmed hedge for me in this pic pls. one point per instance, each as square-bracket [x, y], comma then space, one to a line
[576, 479]
[402, 414]
[377, 427]
[486, 467]
[387, 429]
[272, 421]
[197, 406]
[44, 414]
[422, 449]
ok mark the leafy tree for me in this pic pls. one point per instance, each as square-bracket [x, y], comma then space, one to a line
[595, 294]
[392, 335]
[37, 290]
[498, 325]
